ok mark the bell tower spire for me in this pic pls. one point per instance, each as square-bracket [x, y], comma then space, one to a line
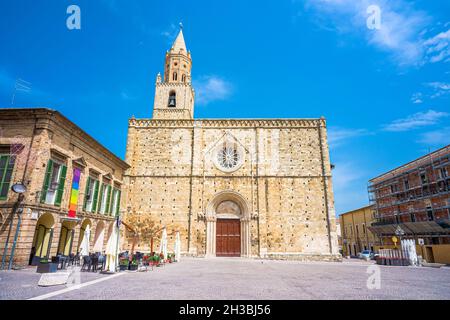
[174, 96]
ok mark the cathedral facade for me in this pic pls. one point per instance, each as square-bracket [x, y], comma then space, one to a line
[231, 187]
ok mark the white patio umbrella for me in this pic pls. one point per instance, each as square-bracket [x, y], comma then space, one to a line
[163, 244]
[111, 250]
[84, 246]
[177, 248]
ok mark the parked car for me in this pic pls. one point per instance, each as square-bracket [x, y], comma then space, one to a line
[366, 254]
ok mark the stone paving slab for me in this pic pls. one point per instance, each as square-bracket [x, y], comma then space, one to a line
[236, 278]
[23, 284]
[254, 279]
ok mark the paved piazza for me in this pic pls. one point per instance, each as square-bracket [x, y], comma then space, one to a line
[237, 278]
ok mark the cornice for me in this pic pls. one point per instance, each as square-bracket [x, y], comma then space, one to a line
[49, 119]
[174, 84]
[227, 123]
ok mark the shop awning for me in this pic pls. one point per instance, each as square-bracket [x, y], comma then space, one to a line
[413, 228]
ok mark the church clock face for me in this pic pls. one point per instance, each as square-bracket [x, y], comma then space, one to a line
[228, 158]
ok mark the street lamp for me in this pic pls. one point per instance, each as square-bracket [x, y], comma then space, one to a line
[20, 189]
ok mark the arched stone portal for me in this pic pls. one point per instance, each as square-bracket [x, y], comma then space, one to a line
[43, 236]
[228, 226]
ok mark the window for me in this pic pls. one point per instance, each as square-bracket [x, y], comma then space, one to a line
[357, 230]
[430, 214]
[91, 195]
[183, 78]
[175, 76]
[406, 184]
[364, 228]
[423, 178]
[6, 169]
[105, 198]
[229, 157]
[53, 188]
[172, 99]
[115, 207]
[443, 172]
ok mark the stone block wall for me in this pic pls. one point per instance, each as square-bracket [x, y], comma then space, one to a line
[285, 179]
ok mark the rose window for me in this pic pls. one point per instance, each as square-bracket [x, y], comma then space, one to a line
[228, 158]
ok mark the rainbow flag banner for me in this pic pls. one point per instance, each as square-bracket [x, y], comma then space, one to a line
[74, 193]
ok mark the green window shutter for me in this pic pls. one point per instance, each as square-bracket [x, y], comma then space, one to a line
[108, 199]
[118, 203]
[94, 204]
[100, 199]
[62, 181]
[88, 184]
[48, 173]
[6, 170]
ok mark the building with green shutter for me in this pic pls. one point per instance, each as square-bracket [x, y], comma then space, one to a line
[72, 182]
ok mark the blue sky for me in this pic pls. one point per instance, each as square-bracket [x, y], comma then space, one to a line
[385, 93]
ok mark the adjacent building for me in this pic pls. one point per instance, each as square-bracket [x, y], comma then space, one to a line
[231, 187]
[355, 232]
[72, 182]
[414, 200]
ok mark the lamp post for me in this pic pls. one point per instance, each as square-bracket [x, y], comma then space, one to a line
[20, 189]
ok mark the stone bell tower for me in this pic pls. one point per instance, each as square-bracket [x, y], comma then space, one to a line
[174, 95]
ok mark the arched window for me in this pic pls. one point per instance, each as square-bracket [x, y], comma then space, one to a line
[183, 78]
[172, 99]
[175, 76]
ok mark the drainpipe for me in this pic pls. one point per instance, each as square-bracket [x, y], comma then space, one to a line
[21, 197]
[16, 206]
[16, 235]
[5, 250]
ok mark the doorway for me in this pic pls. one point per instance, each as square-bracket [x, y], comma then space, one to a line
[228, 238]
[42, 240]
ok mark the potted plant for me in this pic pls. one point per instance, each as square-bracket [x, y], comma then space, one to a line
[134, 264]
[123, 264]
[45, 266]
[156, 259]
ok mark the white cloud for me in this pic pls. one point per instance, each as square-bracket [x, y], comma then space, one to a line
[170, 33]
[417, 120]
[126, 96]
[438, 47]
[417, 98]
[338, 136]
[436, 137]
[403, 31]
[440, 88]
[211, 88]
